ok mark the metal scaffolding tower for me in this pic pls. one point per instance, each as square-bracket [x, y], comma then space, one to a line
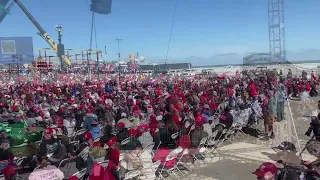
[276, 30]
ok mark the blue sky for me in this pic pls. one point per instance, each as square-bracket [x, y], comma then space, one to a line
[203, 29]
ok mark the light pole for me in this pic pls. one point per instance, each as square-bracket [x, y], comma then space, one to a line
[119, 66]
[60, 46]
[105, 53]
[17, 58]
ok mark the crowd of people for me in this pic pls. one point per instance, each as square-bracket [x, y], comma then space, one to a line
[110, 129]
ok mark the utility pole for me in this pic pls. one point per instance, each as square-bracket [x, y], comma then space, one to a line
[60, 45]
[119, 41]
[98, 64]
[105, 53]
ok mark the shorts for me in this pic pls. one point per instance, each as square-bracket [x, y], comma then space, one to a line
[269, 120]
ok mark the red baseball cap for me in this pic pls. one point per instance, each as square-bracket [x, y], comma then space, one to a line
[87, 135]
[132, 132]
[265, 169]
[121, 124]
[143, 127]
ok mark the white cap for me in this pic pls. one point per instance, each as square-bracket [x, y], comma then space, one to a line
[159, 118]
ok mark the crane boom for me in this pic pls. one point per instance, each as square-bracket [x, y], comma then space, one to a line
[6, 11]
[42, 32]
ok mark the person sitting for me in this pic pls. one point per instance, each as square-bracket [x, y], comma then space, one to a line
[113, 156]
[88, 121]
[198, 134]
[49, 144]
[226, 121]
[145, 138]
[134, 142]
[95, 130]
[81, 156]
[131, 161]
[107, 130]
[122, 132]
[6, 156]
[46, 172]
[9, 172]
[64, 140]
[4, 138]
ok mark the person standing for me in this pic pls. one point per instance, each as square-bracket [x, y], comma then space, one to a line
[281, 97]
[270, 113]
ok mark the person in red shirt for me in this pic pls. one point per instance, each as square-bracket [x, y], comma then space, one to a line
[113, 156]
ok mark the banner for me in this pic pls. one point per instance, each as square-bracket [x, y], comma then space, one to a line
[16, 50]
[101, 6]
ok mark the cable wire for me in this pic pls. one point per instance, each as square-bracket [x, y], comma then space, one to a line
[170, 36]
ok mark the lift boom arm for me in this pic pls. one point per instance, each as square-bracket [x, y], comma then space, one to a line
[42, 32]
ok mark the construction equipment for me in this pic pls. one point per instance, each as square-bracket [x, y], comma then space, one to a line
[4, 11]
[42, 32]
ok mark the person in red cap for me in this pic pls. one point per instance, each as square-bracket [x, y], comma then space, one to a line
[145, 138]
[48, 144]
[266, 171]
[122, 132]
[87, 138]
[198, 134]
[113, 156]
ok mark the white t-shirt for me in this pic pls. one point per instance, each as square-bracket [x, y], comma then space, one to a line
[48, 173]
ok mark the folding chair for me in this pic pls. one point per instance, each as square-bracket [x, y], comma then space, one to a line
[36, 168]
[179, 162]
[202, 148]
[152, 152]
[66, 166]
[226, 133]
[63, 162]
[145, 173]
[104, 163]
[175, 135]
[125, 141]
[96, 139]
[80, 174]
[170, 170]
